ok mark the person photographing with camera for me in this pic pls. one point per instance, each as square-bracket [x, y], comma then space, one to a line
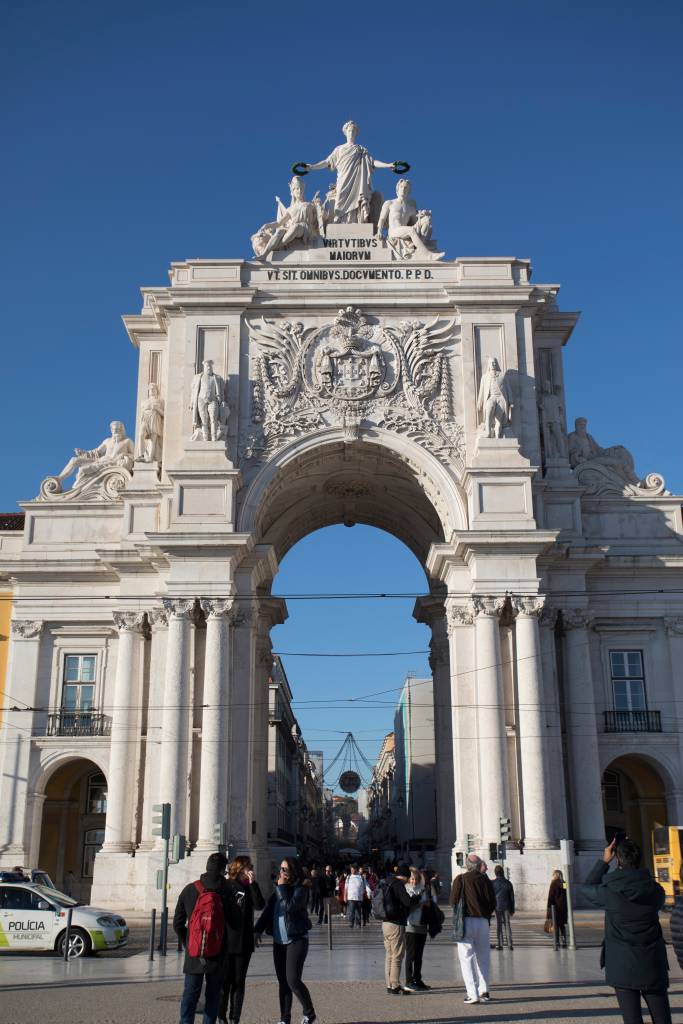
[286, 918]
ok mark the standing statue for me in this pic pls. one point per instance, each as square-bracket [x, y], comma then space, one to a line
[404, 224]
[584, 448]
[301, 221]
[151, 431]
[552, 419]
[354, 167]
[207, 402]
[494, 402]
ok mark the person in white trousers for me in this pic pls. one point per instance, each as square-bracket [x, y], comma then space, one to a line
[474, 952]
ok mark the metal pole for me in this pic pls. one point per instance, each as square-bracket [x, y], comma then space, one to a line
[67, 934]
[329, 923]
[163, 936]
[570, 908]
[163, 932]
[152, 934]
[556, 930]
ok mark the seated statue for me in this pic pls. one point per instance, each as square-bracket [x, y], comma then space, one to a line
[584, 448]
[301, 221]
[408, 230]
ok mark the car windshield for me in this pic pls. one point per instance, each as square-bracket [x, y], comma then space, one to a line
[56, 896]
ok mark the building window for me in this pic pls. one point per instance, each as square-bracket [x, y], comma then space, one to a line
[97, 794]
[628, 680]
[78, 691]
[92, 844]
[611, 791]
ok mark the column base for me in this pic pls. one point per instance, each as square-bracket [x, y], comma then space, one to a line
[541, 844]
[126, 848]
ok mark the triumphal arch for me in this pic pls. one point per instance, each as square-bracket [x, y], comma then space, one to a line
[347, 372]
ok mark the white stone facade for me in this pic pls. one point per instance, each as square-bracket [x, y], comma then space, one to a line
[344, 390]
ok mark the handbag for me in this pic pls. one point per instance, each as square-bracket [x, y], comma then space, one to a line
[548, 926]
[459, 917]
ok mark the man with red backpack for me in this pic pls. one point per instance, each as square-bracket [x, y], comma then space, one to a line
[199, 923]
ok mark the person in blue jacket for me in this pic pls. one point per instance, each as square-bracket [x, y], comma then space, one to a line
[634, 951]
[286, 918]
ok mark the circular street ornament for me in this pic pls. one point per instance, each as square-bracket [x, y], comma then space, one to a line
[349, 782]
[398, 167]
[300, 169]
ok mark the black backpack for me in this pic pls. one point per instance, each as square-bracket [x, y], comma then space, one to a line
[383, 903]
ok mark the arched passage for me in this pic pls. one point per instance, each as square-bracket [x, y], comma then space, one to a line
[634, 800]
[72, 828]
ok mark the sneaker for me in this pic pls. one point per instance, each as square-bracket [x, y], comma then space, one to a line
[485, 997]
[308, 1019]
[497, 947]
[395, 991]
[422, 986]
[470, 999]
[410, 987]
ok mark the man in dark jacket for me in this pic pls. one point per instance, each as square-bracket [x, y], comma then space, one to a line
[397, 906]
[505, 906]
[476, 889]
[196, 968]
[635, 953]
[326, 884]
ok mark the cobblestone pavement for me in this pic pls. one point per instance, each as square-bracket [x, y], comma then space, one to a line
[533, 983]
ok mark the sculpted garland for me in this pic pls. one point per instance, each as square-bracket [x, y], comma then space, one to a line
[351, 373]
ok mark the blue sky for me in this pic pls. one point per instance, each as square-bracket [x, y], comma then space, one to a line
[137, 134]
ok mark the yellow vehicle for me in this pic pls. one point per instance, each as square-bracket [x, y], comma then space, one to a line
[667, 846]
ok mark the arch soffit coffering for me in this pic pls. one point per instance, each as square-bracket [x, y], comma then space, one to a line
[321, 479]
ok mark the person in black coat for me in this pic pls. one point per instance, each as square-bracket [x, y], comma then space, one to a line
[677, 927]
[505, 906]
[196, 969]
[244, 897]
[557, 901]
[286, 919]
[634, 949]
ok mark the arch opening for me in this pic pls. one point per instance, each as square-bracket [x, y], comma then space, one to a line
[634, 801]
[72, 825]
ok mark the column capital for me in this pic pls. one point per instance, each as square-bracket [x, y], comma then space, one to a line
[158, 617]
[132, 622]
[528, 606]
[576, 618]
[548, 616]
[217, 607]
[179, 608]
[458, 615]
[674, 625]
[487, 606]
[25, 629]
[245, 613]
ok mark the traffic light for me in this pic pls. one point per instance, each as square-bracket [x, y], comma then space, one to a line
[161, 820]
[220, 835]
[179, 844]
[493, 851]
[505, 830]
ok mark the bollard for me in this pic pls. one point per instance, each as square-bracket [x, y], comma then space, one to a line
[67, 934]
[329, 925]
[152, 934]
[163, 938]
[556, 930]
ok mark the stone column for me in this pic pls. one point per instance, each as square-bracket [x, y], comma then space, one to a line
[556, 765]
[175, 723]
[213, 784]
[537, 827]
[15, 740]
[118, 835]
[584, 759]
[459, 625]
[158, 620]
[495, 801]
[241, 756]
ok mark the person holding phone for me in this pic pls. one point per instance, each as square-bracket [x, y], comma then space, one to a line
[244, 897]
[286, 919]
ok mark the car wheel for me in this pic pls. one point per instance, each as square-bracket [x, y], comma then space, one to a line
[79, 944]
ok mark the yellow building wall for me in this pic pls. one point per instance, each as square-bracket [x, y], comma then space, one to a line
[5, 616]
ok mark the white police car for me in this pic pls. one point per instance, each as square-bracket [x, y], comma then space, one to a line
[34, 917]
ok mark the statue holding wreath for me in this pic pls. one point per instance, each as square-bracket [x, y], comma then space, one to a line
[354, 200]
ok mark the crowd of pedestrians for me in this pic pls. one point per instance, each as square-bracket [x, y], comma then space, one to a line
[215, 921]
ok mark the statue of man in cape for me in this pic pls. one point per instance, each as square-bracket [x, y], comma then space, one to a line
[354, 167]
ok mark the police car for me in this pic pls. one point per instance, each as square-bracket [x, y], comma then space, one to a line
[34, 917]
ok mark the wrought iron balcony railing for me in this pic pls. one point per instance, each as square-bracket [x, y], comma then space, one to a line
[633, 721]
[78, 723]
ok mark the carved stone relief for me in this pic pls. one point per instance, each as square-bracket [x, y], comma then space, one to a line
[352, 373]
[608, 470]
[101, 473]
[25, 629]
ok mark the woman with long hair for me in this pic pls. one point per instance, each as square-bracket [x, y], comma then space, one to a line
[286, 919]
[557, 898]
[416, 929]
[244, 897]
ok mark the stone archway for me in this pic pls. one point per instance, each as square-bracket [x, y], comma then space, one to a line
[72, 824]
[634, 801]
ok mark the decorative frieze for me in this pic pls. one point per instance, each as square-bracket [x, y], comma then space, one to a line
[25, 629]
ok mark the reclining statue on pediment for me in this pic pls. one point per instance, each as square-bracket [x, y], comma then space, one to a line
[101, 473]
[301, 221]
[607, 469]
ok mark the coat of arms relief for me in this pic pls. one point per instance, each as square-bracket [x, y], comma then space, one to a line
[353, 373]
